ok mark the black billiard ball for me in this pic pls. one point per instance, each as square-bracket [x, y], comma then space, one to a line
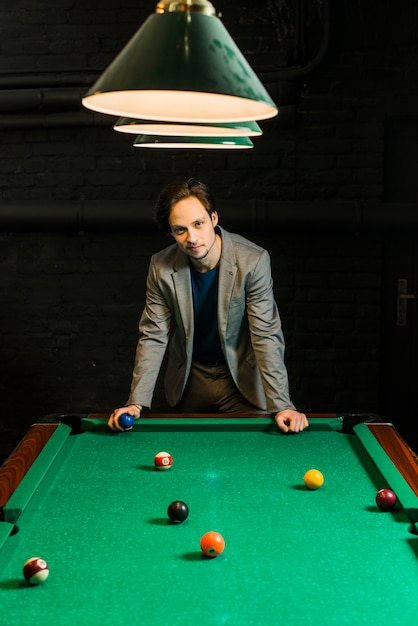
[178, 511]
[126, 420]
[386, 499]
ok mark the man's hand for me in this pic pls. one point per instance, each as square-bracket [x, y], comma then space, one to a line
[132, 409]
[290, 421]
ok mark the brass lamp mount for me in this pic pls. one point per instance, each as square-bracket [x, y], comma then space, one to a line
[199, 6]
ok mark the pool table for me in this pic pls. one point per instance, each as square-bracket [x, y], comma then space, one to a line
[91, 503]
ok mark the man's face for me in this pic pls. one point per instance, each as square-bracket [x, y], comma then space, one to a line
[194, 229]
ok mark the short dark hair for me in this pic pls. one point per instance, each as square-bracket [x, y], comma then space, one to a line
[176, 191]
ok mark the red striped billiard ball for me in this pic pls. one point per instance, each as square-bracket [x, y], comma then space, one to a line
[163, 461]
[386, 499]
[126, 421]
[212, 544]
[35, 570]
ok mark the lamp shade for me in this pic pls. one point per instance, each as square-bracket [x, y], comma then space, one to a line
[202, 143]
[150, 127]
[181, 66]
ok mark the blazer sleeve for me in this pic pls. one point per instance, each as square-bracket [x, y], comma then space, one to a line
[154, 329]
[267, 336]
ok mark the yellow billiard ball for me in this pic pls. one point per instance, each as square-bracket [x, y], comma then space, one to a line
[313, 479]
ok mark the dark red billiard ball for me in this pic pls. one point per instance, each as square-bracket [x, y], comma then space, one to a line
[178, 511]
[35, 570]
[386, 499]
[126, 420]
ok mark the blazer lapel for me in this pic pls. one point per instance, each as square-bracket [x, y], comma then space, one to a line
[227, 276]
[183, 293]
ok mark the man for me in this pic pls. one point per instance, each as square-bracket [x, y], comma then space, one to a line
[210, 299]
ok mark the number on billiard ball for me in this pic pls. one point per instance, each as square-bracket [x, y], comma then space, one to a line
[178, 511]
[386, 499]
[212, 544]
[35, 570]
[126, 420]
[163, 460]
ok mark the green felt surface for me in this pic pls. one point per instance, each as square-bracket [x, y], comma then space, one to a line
[98, 515]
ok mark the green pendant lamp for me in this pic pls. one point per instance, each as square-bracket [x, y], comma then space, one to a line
[150, 127]
[181, 66]
[186, 143]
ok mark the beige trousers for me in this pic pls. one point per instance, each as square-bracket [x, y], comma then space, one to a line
[210, 388]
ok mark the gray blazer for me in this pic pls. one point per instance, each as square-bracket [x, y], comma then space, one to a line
[248, 319]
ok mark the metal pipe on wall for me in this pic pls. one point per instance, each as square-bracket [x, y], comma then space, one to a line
[253, 215]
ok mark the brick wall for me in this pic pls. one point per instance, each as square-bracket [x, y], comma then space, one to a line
[76, 197]
[69, 322]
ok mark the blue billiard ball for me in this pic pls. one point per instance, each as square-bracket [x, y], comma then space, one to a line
[126, 420]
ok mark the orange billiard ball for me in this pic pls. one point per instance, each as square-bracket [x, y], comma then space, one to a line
[163, 460]
[212, 544]
[313, 479]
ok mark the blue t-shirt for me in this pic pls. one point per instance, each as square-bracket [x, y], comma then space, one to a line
[207, 345]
